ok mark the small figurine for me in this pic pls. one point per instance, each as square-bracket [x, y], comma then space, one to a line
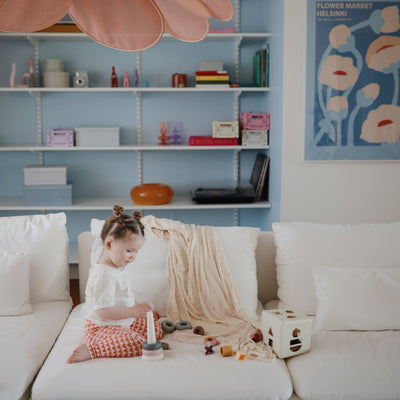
[163, 137]
[136, 79]
[114, 78]
[126, 79]
[207, 348]
[145, 83]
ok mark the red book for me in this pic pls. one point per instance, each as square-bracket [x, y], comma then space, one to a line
[211, 73]
[212, 141]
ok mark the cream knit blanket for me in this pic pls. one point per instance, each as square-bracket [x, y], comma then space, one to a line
[201, 289]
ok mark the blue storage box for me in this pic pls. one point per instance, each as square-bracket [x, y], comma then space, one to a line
[47, 195]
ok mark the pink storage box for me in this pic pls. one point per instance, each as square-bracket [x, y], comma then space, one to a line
[254, 121]
[61, 138]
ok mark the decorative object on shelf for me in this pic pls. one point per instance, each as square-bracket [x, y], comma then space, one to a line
[114, 78]
[97, 136]
[145, 83]
[53, 73]
[12, 77]
[61, 138]
[254, 128]
[286, 332]
[136, 81]
[80, 79]
[31, 76]
[178, 80]
[45, 175]
[47, 195]
[151, 194]
[141, 24]
[261, 67]
[225, 129]
[126, 79]
[163, 137]
[175, 137]
[255, 137]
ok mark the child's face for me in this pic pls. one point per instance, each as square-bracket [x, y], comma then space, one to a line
[123, 251]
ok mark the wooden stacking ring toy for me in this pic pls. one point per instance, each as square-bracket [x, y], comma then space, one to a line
[198, 330]
[226, 351]
[212, 339]
[182, 325]
[168, 326]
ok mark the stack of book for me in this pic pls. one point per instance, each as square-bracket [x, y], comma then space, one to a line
[211, 74]
[261, 67]
[260, 177]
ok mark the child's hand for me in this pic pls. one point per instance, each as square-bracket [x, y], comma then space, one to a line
[140, 310]
[156, 315]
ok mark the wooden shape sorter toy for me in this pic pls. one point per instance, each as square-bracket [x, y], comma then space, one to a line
[287, 333]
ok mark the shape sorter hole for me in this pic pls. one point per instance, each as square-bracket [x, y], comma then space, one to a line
[295, 348]
[277, 313]
[296, 332]
[270, 343]
[270, 332]
[289, 311]
[291, 316]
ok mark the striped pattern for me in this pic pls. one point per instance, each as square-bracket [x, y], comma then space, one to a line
[118, 341]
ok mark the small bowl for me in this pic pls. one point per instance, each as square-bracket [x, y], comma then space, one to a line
[151, 194]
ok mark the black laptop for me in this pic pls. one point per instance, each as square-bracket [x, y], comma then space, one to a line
[256, 192]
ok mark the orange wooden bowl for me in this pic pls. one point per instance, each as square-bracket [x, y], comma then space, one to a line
[151, 194]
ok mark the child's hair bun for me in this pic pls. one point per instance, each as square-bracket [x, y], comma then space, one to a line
[137, 214]
[118, 210]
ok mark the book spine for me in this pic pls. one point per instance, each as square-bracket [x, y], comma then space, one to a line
[212, 77]
[199, 73]
[211, 141]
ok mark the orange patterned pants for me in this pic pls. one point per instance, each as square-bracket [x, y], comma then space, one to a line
[117, 340]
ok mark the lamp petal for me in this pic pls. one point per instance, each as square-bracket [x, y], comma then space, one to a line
[220, 9]
[131, 25]
[30, 16]
[185, 20]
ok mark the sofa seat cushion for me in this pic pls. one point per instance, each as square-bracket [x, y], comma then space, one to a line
[348, 365]
[184, 373]
[25, 341]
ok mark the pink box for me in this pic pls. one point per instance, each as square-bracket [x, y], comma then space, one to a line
[254, 121]
[61, 138]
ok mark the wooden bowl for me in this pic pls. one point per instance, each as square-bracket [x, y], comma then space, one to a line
[151, 194]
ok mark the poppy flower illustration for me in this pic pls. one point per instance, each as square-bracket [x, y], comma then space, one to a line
[338, 72]
[382, 125]
[124, 24]
[383, 53]
[386, 20]
[338, 35]
[337, 107]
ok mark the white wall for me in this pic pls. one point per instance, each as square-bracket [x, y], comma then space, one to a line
[332, 192]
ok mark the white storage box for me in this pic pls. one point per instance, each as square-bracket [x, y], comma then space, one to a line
[97, 136]
[255, 137]
[286, 332]
[45, 175]
[47, 195]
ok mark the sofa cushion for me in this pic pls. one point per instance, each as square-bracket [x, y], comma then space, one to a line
[184, 373]
[344, 365]
[14, 284]
[303, 246]
[357, 298]
[44, 238]
[149, 271]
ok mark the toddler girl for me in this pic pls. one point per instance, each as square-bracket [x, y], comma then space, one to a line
[115, 325]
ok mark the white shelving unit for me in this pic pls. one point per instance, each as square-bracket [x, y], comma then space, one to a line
[11, 204]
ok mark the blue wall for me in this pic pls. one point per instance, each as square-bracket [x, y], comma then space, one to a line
[111, 173]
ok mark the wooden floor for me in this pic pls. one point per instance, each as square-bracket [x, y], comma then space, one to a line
[74, 291]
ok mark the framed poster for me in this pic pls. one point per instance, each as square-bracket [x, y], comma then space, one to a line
[353, 80]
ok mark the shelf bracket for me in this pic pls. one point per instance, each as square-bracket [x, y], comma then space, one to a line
[237, 104]
[39, 122]
[236, 217]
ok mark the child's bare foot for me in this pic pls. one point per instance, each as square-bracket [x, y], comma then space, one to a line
[81, 353]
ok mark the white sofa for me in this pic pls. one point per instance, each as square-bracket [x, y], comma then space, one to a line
[34, 296]
[353, 355]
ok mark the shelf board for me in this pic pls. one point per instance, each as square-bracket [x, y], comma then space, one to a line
[83, 36]
[131, 148]
[133, 89]
[106, 204]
